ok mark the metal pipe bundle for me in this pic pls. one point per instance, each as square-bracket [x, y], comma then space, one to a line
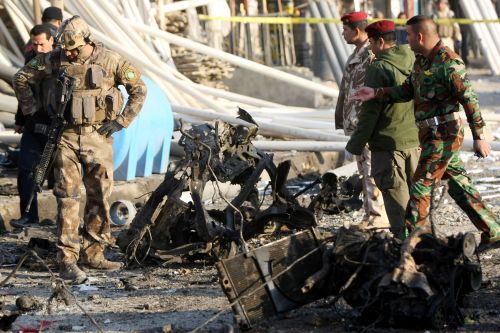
[333, 60]
[483, 36]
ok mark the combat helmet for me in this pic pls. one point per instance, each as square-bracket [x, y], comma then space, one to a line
[75, 33]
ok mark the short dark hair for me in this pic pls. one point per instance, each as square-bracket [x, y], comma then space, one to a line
[388, 36]
[423, 24]
[41, 29]
[52, 13]
[418, 19]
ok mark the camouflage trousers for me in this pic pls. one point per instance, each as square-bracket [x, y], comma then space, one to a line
[373, 202]
[440, 159]
[86, 157]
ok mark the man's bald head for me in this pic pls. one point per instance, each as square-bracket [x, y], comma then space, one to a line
[424, 25]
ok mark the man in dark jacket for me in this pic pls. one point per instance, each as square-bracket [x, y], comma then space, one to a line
[389, 128]
[34, 135]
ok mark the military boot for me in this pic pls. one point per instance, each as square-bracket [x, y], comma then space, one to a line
[71, 271]
[491, 239]
[92, 256]
[104, 264]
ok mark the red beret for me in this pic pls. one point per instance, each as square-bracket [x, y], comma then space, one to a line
[354, 17]
[379, 28]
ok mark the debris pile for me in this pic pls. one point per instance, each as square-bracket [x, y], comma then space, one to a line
[417, 283]
[202, 69]
[176, 23]
[170, 229]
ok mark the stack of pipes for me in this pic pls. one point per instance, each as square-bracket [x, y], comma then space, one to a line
[337, 51]
[130, 28]
[488, 35]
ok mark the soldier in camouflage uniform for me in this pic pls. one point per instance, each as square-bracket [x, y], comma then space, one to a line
[440, 88]
[346, 111]
[85, 150]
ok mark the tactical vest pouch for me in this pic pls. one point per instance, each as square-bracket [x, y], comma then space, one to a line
[95, 76]
[76, 110]
[85, 108]
[113, 102]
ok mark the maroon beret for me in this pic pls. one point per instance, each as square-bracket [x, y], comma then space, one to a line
[354, 17]
[379, 28]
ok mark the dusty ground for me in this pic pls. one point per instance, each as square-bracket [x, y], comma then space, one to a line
[187, 295]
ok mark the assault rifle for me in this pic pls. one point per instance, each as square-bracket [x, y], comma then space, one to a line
[65, 85]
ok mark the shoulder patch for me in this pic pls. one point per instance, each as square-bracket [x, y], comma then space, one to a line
[34, 63]
[130, 74]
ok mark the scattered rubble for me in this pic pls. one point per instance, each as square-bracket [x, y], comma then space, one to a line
[167, 228]
[420, 283]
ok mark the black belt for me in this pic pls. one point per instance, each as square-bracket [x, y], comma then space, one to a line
[434, 121]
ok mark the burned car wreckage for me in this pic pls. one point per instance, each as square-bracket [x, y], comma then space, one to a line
[419, 282]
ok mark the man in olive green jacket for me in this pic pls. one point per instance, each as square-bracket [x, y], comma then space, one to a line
[389, 128]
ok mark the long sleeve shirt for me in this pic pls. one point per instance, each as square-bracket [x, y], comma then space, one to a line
[439, 85]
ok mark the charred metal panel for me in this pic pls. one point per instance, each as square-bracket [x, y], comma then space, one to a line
[243, 277]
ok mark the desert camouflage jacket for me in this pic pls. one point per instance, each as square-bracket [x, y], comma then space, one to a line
[438, 87]
[117, 71]
[346, 112]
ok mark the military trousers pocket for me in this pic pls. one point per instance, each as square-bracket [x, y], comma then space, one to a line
[384, 170]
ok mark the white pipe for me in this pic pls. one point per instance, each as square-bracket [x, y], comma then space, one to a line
[486, 35]
[295, 122]
[333, 33]
[8, 103]
[175, 82]
[185, 4]
[272, 129]
[238, 61]
[330, 52]
[161, 46]
[348, 49]
[7, 72]
[493, 13]
[90, 17]
[9, 137]
[28, 24]
[280, 112]
[13, 46]
[481, 34]
[153, 56]
[300, 145]
[13, 59]
[20, 27]
[489, 12]
[237, 97]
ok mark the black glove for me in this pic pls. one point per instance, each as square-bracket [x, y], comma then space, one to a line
[109, 127]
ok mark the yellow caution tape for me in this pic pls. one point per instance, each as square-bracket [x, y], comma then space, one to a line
[312, 20]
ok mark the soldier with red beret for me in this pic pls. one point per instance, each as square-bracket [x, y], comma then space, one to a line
[346, 111]
[440, 88]
[388, 128]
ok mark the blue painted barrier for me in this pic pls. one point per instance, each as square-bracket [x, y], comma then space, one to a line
[144, 147]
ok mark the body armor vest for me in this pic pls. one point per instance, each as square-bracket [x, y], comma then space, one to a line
[95, 98]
